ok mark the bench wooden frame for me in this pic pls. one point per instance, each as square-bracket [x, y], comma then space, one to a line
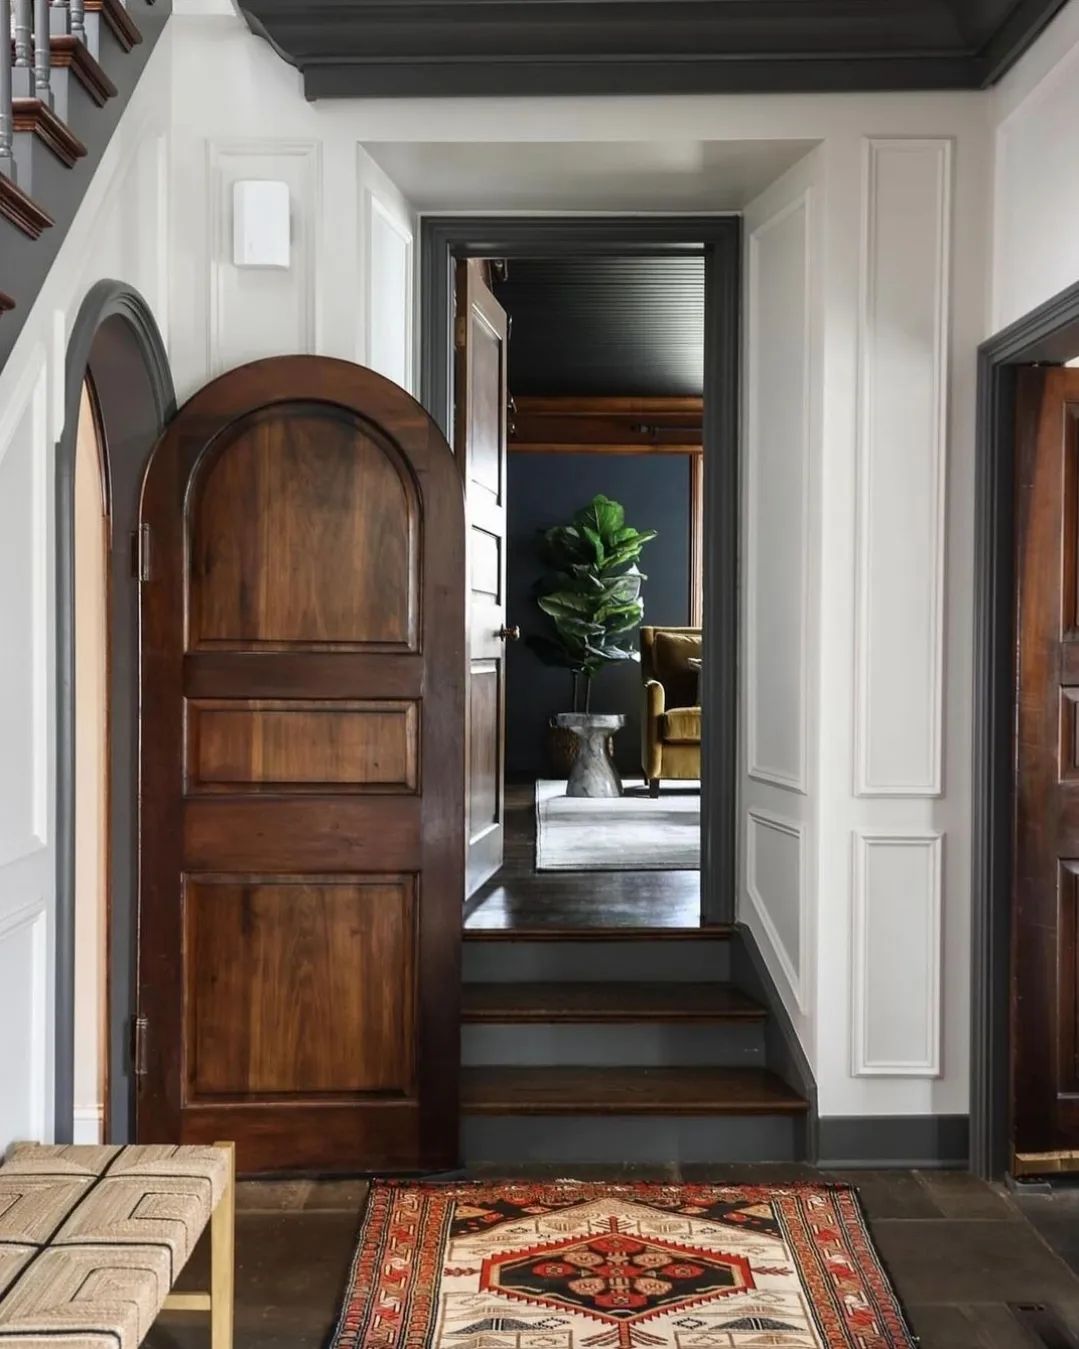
[219, 1301]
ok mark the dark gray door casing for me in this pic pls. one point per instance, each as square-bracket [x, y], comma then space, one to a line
[443, 239]
[115, 341]
[1048, 335]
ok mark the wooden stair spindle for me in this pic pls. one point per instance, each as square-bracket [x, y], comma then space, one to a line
[7, 125]
[21, 39]
[77, 17]
[42, 52]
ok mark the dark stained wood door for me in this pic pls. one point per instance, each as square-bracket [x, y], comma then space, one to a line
[303, 705]
[481, 399]
[1045, 1013]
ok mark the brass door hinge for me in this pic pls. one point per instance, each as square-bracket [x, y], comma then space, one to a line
[140, 553]
[460, 332]
[140, 1034]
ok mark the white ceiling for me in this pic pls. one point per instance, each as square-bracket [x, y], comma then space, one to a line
[585, 175]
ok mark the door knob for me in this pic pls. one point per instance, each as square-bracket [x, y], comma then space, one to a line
[509, 634]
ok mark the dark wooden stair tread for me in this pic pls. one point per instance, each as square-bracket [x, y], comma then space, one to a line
[607, 1002]
[626, 1091]
[604, 934]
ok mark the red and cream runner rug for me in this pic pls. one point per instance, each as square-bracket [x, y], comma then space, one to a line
[575, 1265]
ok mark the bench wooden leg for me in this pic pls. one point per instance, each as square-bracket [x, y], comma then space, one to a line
[223, 1260]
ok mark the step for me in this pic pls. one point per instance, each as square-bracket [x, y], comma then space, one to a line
[627, 1091]
[46, 150]
[572, 1141]
[79, 84]
[738, 1043]
[720, 932]
[607, 1002]
[608, 959]
[21, 210]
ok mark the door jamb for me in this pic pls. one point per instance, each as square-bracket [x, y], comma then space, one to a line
[1046, 335]
[130, 373]
[443, 240]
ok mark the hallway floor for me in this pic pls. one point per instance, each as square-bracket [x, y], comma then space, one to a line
[959, 1252]
[518, 897]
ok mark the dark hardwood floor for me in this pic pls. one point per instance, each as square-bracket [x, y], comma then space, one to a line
[519, 898]
[961, 1253]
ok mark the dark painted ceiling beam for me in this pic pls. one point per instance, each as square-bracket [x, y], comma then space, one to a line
[447, 48]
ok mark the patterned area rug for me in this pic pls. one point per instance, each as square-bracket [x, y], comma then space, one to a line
[574, 1265]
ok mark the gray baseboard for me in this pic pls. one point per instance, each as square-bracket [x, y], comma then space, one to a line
[929, 1141]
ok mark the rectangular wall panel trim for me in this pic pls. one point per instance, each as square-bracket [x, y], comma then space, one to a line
[896, 954]
[901, 467]
[790, 776]
[231, 339]
[790, 965]
[379, 219]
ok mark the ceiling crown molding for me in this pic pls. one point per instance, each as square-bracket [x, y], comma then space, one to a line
[456, 48]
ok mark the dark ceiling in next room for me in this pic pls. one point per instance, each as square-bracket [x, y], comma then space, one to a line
[605, 327]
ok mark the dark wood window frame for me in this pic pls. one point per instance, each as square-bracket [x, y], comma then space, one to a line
[443, 240]
[1047, 335]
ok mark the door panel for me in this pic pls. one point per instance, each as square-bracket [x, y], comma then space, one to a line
[303, 668]
[1045, 1061]
[480, 440]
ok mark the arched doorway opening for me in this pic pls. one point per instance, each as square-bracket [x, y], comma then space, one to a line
[118, 397]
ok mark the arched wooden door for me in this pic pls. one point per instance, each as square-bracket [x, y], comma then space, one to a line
[302, 854]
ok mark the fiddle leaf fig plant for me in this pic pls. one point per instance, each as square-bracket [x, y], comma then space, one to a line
[591, 593]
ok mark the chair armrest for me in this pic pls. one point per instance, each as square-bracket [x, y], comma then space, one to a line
[655, 698]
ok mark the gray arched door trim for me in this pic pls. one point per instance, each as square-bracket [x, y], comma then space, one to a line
[115, 340]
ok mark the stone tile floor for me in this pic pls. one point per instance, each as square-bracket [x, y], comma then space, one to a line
[958, 1251]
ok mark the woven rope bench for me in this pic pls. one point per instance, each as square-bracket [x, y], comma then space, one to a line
[92, 1240]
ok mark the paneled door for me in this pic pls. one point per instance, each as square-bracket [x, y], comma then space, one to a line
[481, 399]
[1045, 1010]
[302, 758]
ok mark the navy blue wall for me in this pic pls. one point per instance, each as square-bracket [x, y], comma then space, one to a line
[545, 490]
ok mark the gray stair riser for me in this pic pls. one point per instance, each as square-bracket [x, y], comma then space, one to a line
[101, 40]
[71, 103]
[40, 174]
[660, 1140]
[724, 1044]
[540, 961]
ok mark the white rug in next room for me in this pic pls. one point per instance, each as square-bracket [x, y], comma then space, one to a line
[633, 832]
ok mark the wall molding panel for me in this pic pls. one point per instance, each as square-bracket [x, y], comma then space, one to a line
[896, 939]
[777, 456]
[262, 311]
[778, 900]
[388, 288]
[23, 971]
[24, 543]
[901, 466]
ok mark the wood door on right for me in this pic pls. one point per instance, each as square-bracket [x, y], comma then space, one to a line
[1045, 965]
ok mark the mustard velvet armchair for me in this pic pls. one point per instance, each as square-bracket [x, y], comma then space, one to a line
[671, 722]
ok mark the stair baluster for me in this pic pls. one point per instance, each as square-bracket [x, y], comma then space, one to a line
[20, 33]
[42, 52]
[7, 158]
[78, 19]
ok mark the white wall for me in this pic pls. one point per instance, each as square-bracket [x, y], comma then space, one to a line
[239, 112]
[857, 567]
[862, 323]
[779, 796]
[121, 232]
[1035, 111]
[857, 599]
